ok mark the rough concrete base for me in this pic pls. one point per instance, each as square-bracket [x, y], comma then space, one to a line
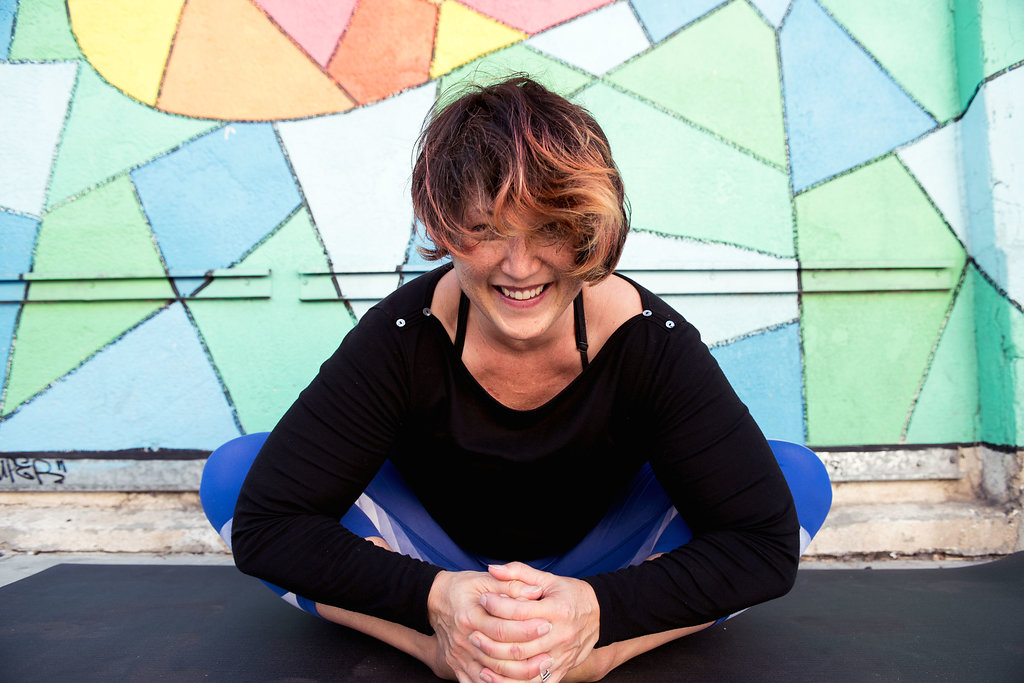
[105, 522]
[974, 515]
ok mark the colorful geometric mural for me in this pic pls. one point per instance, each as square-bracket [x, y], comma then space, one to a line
[199, 198]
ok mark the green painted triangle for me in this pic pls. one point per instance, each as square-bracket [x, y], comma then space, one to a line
[42, 32]
[1002, 25]
[999, 329]
[108, 133]
[864, 357]
[724, 77]
[876, 214]
[915, 43]
[52, 339]
[682, 181]
[266, 351]
[554, 75]
[947, 409]
[102, 233]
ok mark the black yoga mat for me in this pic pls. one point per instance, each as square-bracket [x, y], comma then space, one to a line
[189, 623]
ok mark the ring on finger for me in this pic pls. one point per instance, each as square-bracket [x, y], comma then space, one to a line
[546, 675]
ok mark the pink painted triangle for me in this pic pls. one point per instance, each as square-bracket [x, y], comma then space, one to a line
[533, 15]
[316, 25]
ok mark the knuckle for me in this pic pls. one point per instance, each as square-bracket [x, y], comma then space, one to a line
[463, 621]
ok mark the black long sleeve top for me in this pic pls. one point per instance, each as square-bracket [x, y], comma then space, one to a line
[396, 389]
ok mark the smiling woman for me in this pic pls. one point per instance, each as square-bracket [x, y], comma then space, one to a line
[538, 468]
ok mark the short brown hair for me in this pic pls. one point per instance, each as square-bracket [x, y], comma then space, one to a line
[537, 162]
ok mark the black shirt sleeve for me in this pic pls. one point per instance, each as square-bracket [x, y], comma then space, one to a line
[314, 465]
[720, 473]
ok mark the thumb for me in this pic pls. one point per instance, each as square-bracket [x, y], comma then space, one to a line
[521, 580]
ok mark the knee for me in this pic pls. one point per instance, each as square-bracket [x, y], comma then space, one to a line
[223, 475]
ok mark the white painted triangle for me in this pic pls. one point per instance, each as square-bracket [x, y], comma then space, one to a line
[354, 170]
[1004, 102]
[32, 117]
[726, 292]
[935, 161]
[597, 41]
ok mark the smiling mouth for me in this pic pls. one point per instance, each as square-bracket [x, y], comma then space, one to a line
[522, 294]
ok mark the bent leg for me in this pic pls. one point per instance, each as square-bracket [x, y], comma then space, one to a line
[643, 524]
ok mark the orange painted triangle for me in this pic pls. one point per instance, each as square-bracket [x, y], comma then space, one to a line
[228, 61]
[386, 48]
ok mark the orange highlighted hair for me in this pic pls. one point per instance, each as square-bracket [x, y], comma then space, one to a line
[531, 161]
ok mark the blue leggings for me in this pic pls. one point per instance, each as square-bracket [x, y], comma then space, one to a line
[640, 523]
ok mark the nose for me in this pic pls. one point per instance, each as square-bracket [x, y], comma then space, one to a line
[520, 261]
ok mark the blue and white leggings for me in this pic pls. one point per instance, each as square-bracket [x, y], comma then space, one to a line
[639, 524]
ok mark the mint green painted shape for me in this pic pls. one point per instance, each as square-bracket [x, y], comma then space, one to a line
[267, 351]
[864, 358]
[108, 133]
[682, 181]
[102, 232]
[721, 73]
[1000, 338]
[914, 42]
[1002, 33]
[42, 32]
[948, 408]
[556, 76]
[970, 66]
[876, 215]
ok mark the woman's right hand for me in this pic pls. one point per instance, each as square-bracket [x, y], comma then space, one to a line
[456, 614]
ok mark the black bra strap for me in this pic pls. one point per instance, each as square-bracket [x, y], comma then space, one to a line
[460, 325]
[581, 328]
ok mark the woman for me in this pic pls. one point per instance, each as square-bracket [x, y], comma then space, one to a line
[513, 441]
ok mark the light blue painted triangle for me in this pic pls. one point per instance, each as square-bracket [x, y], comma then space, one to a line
[841, 108]
[153, 388]
[211, 200]
[765, 371]
[8, 317]
[7, 11]
[664, 17]
[772, 10]
[17, 239]
[35, 100]
[415, 264]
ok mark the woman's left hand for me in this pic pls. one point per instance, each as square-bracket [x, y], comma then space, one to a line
[569, 605]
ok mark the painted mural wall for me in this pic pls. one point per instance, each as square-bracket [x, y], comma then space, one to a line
[199, 198]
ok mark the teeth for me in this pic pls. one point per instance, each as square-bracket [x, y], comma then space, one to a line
[522, 294]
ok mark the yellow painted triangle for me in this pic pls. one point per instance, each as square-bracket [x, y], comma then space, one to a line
[464, 34]
[127, 42]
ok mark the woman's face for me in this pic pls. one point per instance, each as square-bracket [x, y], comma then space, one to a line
[518, 284]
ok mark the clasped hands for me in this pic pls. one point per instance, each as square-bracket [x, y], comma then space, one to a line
[511, 623]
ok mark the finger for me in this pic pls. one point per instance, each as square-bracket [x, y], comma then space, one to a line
[518, 571]
[502, 671]
[510, 630]
[513, 651]
[510, 608]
